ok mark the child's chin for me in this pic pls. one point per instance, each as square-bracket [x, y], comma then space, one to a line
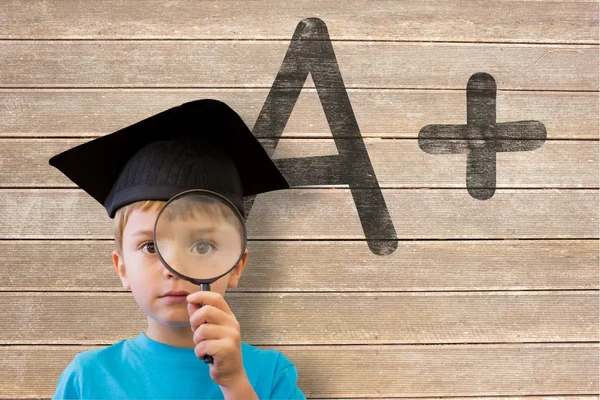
[174, 318]
[177, 324]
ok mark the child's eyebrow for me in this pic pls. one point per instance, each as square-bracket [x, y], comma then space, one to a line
[144, 232]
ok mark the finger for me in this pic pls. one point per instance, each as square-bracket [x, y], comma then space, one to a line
[212, 298]
[212, 331]
[192, 307]
[199, 317]
[212, 315]
[213, 347]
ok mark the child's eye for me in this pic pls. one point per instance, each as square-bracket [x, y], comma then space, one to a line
[203, 247]
[148, 247]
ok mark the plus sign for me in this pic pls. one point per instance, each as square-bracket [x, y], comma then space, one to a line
[481, 138]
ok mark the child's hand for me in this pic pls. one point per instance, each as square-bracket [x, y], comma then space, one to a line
[217, 333]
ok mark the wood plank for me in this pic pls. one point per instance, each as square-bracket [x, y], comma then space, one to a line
[512, 21]
[379, 113]
[326, 266]
[384, 370]
[331, 214]
[94, 64]
[314, 318]
[397, 163]
[554, 164]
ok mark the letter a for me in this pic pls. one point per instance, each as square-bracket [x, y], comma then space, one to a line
[311, 52]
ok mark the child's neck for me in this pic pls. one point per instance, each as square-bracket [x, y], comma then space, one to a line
[178, 336]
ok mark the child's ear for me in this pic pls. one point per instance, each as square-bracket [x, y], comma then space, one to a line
[236, 273]
[120, 268]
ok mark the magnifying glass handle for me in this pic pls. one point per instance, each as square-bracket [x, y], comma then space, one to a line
[206, 287]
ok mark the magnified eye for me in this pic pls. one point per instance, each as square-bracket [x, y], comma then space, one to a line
[203, 247]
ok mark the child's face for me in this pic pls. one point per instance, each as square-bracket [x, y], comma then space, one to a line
[142, 272]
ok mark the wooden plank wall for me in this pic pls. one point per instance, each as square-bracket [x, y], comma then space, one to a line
[484, 298]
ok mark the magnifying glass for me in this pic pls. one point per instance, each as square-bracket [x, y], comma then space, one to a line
[200, 236]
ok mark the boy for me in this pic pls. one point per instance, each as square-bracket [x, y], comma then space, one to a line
[202, 144]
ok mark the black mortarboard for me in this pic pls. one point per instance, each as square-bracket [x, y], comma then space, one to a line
[202, 144]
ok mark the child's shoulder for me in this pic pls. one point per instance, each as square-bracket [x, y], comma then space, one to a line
[91, 362]
[265, 355]
[265, 360]
[104, 353]
[74, 378]
[271, 368]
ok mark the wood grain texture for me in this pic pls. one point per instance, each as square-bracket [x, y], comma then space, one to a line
[397, 163]
[330, 266]
[481, 299]
[379, 113]
[500, 21]
[375, 370]
[79, 64]
[331, 214]
[314, 318]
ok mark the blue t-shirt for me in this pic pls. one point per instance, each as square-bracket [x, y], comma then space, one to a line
[142, 368]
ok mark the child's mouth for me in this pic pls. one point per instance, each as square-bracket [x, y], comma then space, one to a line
[175, 298]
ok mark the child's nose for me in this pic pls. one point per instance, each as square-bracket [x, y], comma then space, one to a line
[165, 270]
[167, 274]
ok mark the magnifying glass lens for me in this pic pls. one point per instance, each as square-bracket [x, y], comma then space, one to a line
[199, 235]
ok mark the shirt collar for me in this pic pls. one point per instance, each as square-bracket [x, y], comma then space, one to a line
[164, 352]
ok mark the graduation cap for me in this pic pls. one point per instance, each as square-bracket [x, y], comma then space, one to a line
[202, 144]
